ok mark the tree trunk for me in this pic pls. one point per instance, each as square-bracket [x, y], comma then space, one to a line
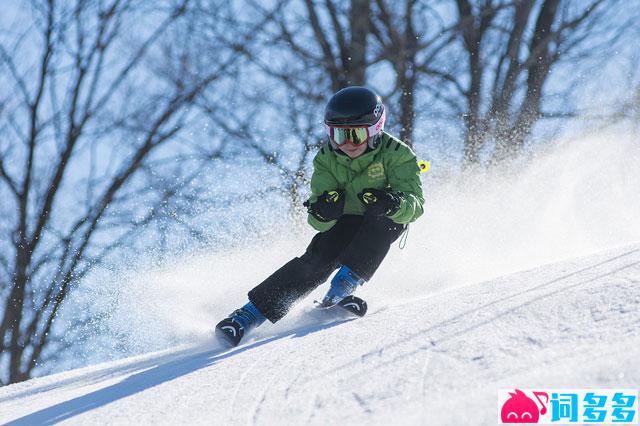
[356, 65]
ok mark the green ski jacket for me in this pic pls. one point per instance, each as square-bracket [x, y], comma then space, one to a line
[391, 165]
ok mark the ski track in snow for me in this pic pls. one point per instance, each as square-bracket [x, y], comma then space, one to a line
[439, 359]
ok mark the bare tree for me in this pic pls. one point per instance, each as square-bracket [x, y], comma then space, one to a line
[330, 38]
[307, 50]
[408, 35]
[80, 131]
[340, 30]
[624, 110]
[339, 46]
[288, 153]
[399, 40]
[506, 53]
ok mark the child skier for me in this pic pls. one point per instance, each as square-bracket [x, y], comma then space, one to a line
[365, 188]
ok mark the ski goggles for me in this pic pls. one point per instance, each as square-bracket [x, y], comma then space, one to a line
[355, 135]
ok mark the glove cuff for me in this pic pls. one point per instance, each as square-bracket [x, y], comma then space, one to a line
[318, 216]
[395, 204]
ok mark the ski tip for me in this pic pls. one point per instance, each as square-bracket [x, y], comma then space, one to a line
[229, 333]
[355, 305]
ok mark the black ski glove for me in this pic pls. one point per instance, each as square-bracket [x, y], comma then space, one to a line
[380, 202]
[327, 207]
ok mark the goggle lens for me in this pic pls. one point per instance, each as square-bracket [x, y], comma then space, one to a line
[356, 135]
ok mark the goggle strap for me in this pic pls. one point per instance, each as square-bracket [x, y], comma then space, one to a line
[379, 126]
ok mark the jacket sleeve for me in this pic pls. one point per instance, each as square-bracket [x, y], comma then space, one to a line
[321, 180]
[404, 177]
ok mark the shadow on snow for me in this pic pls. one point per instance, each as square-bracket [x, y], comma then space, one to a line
[153, 377]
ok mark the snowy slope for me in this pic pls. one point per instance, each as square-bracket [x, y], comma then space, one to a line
[436, 360]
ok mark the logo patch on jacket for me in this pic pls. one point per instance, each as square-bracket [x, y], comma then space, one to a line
[376, 171]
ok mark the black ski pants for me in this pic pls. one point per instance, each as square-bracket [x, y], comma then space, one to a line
[359, 242]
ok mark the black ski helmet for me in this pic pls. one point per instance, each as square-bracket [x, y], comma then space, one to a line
[356, 106]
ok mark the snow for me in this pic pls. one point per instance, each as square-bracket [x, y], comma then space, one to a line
[528, 282]
[437, 359]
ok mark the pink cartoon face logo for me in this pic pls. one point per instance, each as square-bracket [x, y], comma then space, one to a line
[519, 408]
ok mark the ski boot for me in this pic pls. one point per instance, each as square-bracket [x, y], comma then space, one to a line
[343, 284]
[231, 329]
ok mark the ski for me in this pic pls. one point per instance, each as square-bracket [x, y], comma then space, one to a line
[352, 304]
[229, 332]
[355, 305]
